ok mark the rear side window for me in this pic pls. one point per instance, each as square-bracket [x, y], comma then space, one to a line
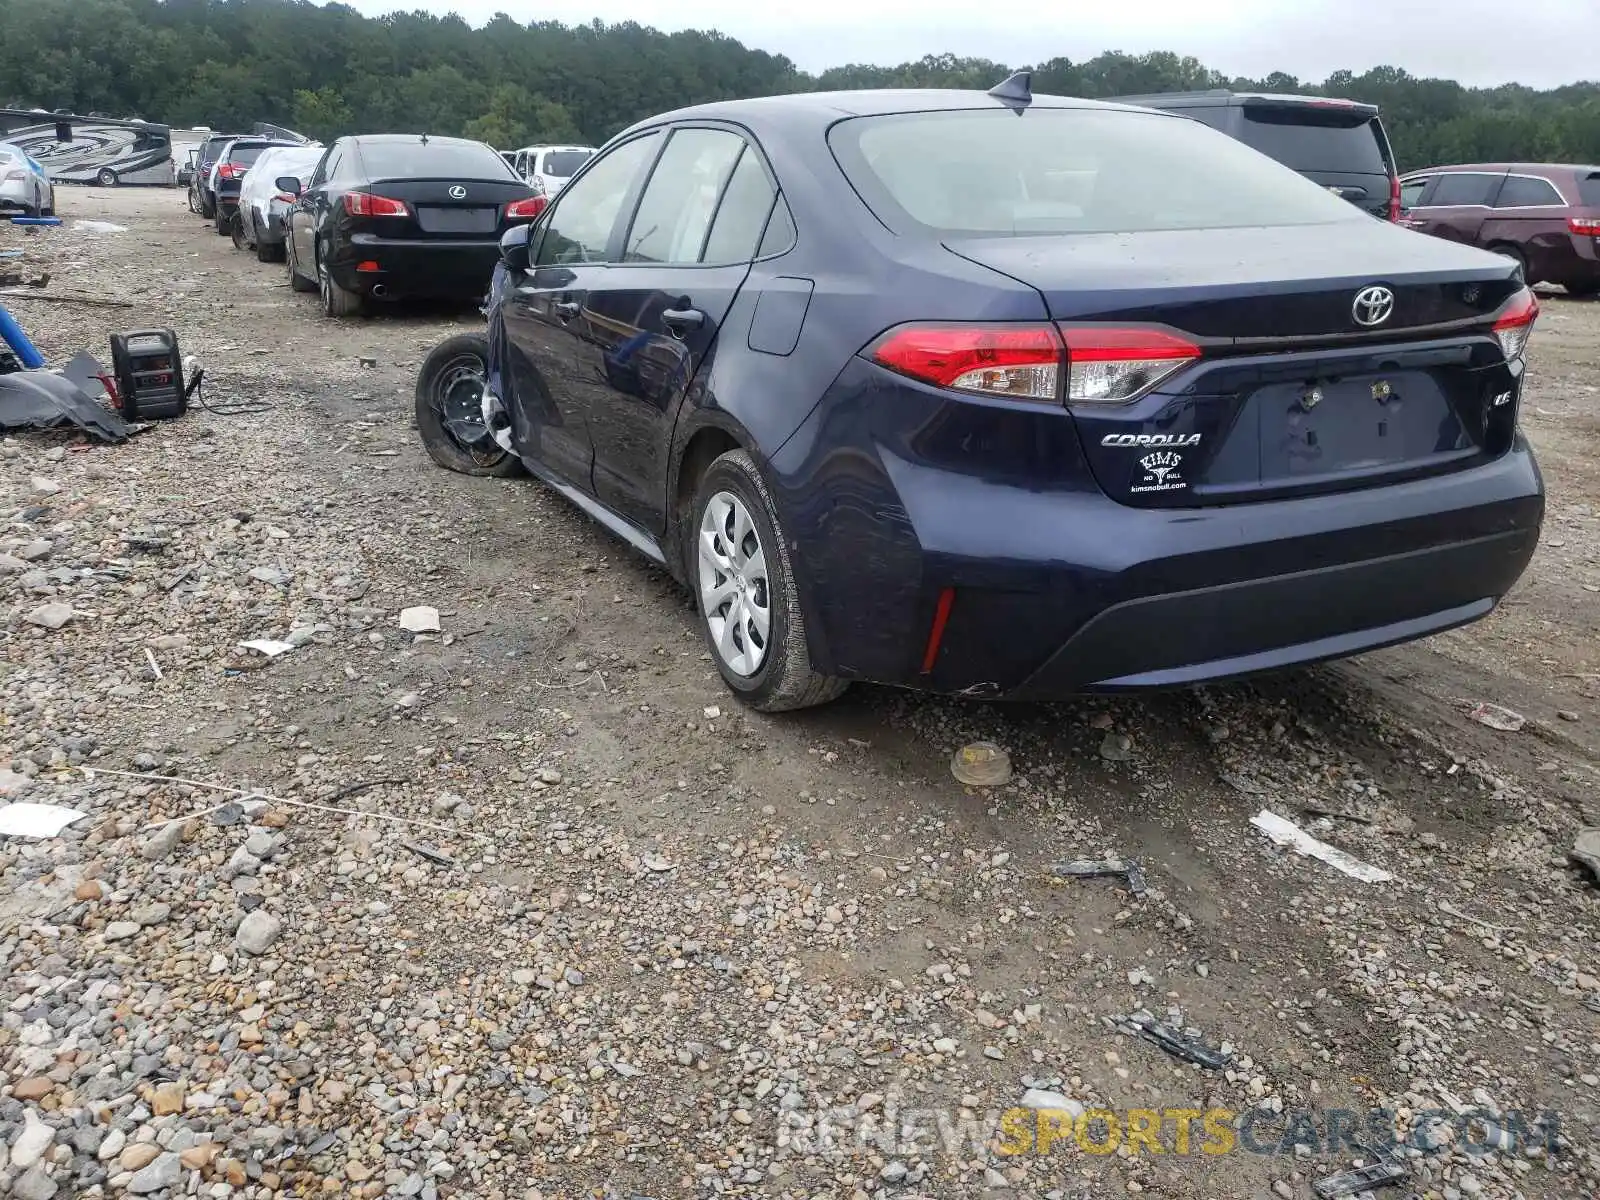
[1589, 190]
[675, 212]
[1054, 170]
[742, 215]
[408, 159]
[1464, 187]
[1524, 191]
[1316, 139]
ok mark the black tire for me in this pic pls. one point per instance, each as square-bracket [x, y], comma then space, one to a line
[336, 301]
[297, 281]
[224, 222]
[106, 177]
[784, 680]
[268, 252]
[1582, 291]
[448, 385]
[208, 208]
[1516, 256]
[36, 209]
[236, 230]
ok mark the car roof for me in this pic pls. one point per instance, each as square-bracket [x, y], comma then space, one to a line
[1502, 168]
[414, 139]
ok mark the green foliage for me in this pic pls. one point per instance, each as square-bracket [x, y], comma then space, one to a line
[327, 70]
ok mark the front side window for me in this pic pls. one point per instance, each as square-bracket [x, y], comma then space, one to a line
[990, 172]
[580, 225]
[1411, 191]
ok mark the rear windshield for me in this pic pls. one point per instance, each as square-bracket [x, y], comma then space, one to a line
[213, 148]
[564, 164]
[245, 155]
[1316, 139]
[1068, 171]
[1589, 190]
[468, 160]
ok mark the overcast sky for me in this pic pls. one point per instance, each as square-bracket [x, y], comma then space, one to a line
[1479, 42]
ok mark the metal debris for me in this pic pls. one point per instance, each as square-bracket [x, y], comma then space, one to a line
[1175, 1043]
[1285, 832]
[422, 850]
[1348, 1183]
[1092, 868]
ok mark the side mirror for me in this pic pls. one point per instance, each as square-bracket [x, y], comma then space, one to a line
[287, 184]
[514, 247]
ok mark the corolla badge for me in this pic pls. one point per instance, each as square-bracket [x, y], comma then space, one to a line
[458, 192]
[1373, 305]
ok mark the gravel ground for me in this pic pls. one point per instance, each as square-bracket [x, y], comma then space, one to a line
[585, 927]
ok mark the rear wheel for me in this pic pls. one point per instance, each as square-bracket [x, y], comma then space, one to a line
[297, 281]
[1514, 255]
[236, 229]
[106, 177]
[449, 407]
[337, 301]
[744, 589]
[224, 221]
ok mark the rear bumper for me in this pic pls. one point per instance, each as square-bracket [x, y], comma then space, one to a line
[1057, 589]
[413, 268]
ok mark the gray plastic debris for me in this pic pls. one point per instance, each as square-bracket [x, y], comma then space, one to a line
[50, 399]
[420, 619]
[1348, 1183]
[1175, 1043]
[1093, 868]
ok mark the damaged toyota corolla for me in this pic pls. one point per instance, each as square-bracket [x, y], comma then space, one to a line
[1004, 395]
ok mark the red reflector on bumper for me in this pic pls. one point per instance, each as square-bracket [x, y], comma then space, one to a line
[368, 265]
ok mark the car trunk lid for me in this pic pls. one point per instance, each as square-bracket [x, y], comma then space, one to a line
[451, 209]
[1290, 392]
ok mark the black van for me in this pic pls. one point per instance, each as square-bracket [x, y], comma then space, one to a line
[1340, 144]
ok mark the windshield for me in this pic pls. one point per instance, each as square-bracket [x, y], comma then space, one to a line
[1309, 139]
[564, 164]
[990, 171]
[245, 155]
[403, 159]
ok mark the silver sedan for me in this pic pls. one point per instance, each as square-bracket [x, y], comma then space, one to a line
[24, 187]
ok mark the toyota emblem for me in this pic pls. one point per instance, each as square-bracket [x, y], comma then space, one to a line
[1374, 305]
[460, 193]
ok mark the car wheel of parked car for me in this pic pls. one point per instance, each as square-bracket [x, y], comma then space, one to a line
[336, 301]
[268, 252]
[449, 408]
[224, 222]
[106, 177]
[297, 281]
[1583, 290]
[749, 608]
[1514, 255]
[236, 228]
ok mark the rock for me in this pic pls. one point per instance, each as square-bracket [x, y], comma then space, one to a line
[50, 616]
[35, 1184]
[140, 1154]
[35, 1087]
[44, 487]
[1585, 851]
[1116, 747]
[34, 550]
[258, 931]
[420, 619]
[1039, 1098]
[121, 931]
[272, 576]
[10, 564]
[28, 1146]
[893, 1172]
[112, 1145]
[994, 1179]
[159, 845]
[162, 1173]
[89, 889]
[168, 1099]
[151, 914]
[197, 1158]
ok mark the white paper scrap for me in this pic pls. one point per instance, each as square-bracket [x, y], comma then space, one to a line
[21, 819]
[1286, 833]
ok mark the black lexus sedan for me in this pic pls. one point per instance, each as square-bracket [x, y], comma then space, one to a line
[1007, 395]
[391, 216]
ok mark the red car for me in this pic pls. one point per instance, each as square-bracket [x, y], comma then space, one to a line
[1544, 215]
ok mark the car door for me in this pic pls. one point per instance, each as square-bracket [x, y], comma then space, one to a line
[309, 211]
[1413, 194]
[554, 365]
[1457, 205]
[655, 314]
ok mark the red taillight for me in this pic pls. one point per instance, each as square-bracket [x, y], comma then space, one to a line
[1104, 365]
[526, 210]
[1584, 226]
[1515, 323]
[231, 171]
[1020, 361]
[1394, 198]
[286, 197]
[365, 204]
[1114, 366]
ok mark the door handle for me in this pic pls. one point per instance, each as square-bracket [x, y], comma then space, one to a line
[567, 309]
[680, 319]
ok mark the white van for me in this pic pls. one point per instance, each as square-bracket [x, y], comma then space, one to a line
[549, 167]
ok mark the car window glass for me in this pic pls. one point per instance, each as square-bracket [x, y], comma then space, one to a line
[1411, 191]
[1589, 190]
[780, 234]
[320, 175]
[414, 159]
[1522, 191]
[1463, 187]
[676, 208]
[1316, 139]
[742, 214]
[580, 225]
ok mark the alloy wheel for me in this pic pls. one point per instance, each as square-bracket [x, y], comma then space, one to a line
[735, 592]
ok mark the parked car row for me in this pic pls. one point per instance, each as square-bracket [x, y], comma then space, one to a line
[998, 394]
[25, 186]
[370, 218]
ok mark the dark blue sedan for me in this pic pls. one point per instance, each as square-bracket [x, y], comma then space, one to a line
[1006, 395]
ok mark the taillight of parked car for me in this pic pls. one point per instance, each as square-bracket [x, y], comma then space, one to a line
[1100, 364]
[1394, 197]
[365, 204]
[1584, 226]
[526, 210]
[286, 197]
[231, 171]
[1515, 323]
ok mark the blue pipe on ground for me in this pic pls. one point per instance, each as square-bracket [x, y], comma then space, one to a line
[27, 353]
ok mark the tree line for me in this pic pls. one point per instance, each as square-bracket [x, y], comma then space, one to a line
[327, 70]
